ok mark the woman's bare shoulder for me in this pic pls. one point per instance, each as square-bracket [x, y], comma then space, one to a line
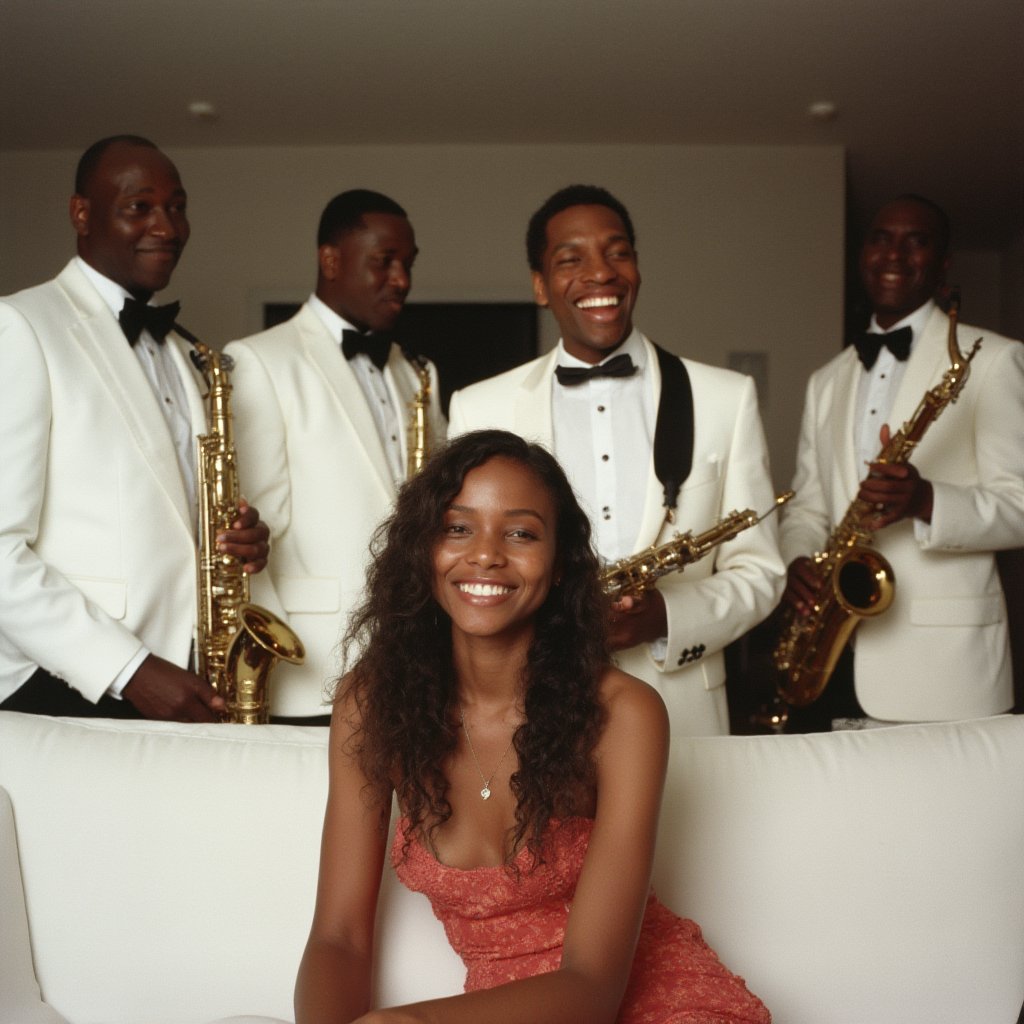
[631, 703]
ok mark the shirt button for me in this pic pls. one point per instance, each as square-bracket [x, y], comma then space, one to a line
[604, 458]
[600, 408]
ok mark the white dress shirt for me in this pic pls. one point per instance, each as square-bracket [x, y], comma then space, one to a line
[603, 436]
[374, 387]
[878, 386]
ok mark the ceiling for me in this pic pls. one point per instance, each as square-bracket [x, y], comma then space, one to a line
[929, 93]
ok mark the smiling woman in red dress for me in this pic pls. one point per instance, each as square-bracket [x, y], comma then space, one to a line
[528, 770]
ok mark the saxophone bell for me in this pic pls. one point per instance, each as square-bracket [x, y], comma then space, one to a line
[260, 643]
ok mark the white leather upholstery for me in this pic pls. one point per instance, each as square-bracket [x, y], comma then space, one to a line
[169, 872]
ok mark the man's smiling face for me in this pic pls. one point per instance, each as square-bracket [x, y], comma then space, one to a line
[903, 260]
[589, 279]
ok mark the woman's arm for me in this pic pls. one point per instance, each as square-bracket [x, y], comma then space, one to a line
[608, 907]
[333, 985]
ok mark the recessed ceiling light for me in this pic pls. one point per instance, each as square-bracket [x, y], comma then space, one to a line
[823, 110]
[203, 110]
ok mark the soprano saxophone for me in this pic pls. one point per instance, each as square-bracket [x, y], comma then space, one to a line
[854, 580]
[639, 573]
[238, 643]
[418, 432]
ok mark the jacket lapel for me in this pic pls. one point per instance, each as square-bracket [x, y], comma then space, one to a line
[102, 343]
[928, 360]
[844, 405]
[532, 415]
[350, 402]
[653, 518]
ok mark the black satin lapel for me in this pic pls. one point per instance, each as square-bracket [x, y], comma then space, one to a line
[673, 431]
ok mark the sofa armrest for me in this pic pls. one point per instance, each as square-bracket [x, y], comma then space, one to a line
[20, 1001]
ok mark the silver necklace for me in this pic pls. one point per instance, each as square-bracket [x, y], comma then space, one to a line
[486, 779]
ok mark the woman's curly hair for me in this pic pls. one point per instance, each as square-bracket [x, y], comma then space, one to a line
[399, 639]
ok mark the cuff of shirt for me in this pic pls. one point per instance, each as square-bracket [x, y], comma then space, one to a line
[123, 677]
[922, 531]
[658, 650]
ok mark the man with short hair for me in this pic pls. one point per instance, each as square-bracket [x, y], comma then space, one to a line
[941, 650]
[99, 410]
[321, 420]
[652, 443]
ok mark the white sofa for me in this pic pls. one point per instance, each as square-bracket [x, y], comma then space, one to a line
[165, 874]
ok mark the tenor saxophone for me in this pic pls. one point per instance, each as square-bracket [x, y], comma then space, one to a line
[237, 642]
[854, 581]
[418, 433]
[639, 573]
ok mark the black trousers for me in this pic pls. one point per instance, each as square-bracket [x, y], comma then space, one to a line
[45, 694]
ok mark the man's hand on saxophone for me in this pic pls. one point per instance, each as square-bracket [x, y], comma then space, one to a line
[802, 583]
[636, 619]
[248, 539]
[896, 490]
[162, 690]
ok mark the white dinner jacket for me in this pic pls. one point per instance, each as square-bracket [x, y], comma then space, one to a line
[310, 459]
[719, 598]
[941, 650]
[97, 549]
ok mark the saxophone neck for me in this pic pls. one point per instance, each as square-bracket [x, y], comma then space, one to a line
[418, 433]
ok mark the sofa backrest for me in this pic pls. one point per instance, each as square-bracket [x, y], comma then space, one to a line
[856, 878]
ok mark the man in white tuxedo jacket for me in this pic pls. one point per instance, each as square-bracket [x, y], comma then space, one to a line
[322, 405]
[627, 439]
[97, 492]
[941, 650]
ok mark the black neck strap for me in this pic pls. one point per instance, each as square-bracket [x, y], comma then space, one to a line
[673, 432]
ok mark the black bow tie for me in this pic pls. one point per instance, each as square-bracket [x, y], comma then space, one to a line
[376, 346]
[869, 345]
[136, 316]
[618, 366]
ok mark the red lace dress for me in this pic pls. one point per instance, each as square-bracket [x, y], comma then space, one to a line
[505, 928]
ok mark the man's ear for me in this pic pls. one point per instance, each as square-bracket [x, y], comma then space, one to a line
[78, 210]
[540, 291]
[327, 256]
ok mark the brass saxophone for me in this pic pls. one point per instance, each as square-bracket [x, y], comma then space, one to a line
[855, 581]
[641, 572]
[417, 432]
[237, 642]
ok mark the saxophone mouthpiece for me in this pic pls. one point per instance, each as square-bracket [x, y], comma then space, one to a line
[779, 502]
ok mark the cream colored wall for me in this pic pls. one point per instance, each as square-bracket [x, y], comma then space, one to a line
[740, 246]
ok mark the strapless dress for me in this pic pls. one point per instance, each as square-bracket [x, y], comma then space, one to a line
[506, 927]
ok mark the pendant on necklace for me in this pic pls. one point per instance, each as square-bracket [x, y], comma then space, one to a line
[485, 793]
